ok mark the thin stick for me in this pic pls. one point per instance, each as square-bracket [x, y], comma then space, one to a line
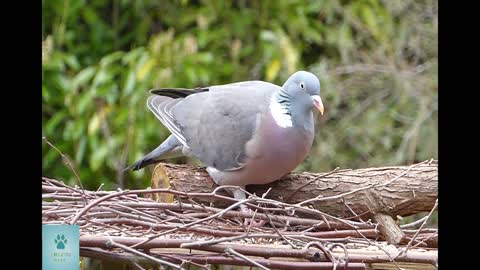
[138, 266]
[311, 181]
[230, 251]
[278, 232]
[213, 241]
[110, 242]
[325, 251]
[219, 214]
[345, 267]
[413, 224]
[419, 229]
[65, 158]
[426, 239]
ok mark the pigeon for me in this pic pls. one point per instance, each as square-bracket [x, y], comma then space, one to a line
[251, 132]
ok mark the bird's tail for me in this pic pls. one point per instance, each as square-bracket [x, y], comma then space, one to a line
[171, 147]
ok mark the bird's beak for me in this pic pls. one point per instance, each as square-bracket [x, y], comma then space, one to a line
[317, 101]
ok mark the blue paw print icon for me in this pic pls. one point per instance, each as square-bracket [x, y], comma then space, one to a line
[60, 241]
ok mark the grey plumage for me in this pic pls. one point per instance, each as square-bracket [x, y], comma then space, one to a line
[249, 132]
[193, 120]
[169, 148]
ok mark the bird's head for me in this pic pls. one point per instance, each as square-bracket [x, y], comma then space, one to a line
[303, 88]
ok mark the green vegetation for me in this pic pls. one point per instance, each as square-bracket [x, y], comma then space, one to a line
[377, 62]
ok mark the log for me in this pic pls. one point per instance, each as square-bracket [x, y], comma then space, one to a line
[413, 190]
[379, 193]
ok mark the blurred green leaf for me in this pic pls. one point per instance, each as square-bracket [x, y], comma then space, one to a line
[83, 77]
[54, 122]
[97, 157]
[109, 59]
[145, 69]
[272, 69]
[94, 124]
[376, 60]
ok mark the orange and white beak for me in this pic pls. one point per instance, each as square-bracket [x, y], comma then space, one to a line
[317, 101]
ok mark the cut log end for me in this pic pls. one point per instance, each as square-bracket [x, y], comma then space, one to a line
[160, 179]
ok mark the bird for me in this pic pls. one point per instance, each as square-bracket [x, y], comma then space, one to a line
[250, 132]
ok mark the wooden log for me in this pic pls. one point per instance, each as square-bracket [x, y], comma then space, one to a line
[396, 190]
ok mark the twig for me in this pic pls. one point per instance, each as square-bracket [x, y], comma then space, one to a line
[345, 267]
[219, 214]
[138, 266]
[230, 251]
[195, 233]
[278, 232]
[249, 250]
[127, 192]
[419, 229]
[110, 242]
[213, 241]
[311, 181]
[413, 224]
[65, 158]
[426, 239]
[325, 251]
[218, 260]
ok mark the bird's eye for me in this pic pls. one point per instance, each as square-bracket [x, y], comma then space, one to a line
[302, 85]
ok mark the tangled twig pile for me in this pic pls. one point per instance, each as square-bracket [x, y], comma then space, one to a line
[126, 225]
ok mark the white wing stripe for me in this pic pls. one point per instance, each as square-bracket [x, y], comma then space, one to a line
[166, 121]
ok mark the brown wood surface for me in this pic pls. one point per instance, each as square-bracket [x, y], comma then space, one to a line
[413, 189]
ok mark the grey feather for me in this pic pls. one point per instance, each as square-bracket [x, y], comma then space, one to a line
[218, 124]
[250, 132]
[161, 106]
[171, 147]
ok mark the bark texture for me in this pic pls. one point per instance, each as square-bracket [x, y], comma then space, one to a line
[391, 191]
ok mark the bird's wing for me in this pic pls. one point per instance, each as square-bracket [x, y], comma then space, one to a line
[216, 122]
[217, 125]
[161, 106]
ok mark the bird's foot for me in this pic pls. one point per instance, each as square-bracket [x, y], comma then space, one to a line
[239, 194]
[251, 222]
[255, 224]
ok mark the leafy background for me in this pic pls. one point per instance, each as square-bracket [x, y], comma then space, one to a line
[376, 60]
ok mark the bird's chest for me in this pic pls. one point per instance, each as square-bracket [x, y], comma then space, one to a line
[280, 149]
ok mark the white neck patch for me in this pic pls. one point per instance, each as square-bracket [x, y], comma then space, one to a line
[280, 113]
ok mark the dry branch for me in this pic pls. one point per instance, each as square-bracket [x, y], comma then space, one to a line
[213, 259]
[377, 193]
[413, 192]
[130, 226]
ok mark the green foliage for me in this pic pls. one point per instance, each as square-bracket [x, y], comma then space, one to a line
[377, 62]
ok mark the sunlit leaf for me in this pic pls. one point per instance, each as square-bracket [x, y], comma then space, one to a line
[94, 124]
[129, 82]
[109, 59]
[97, 158]
[83, 77]
[81, 149]
[53, 122]
[272, 69]
[145, 69]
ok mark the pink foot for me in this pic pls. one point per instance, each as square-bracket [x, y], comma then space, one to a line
[255, 224]
[248, 221]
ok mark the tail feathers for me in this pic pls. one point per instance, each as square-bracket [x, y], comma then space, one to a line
[177, 92]
[171, 147]
[141, 164]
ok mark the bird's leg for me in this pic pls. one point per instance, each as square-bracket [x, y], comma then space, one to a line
[240, 195]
